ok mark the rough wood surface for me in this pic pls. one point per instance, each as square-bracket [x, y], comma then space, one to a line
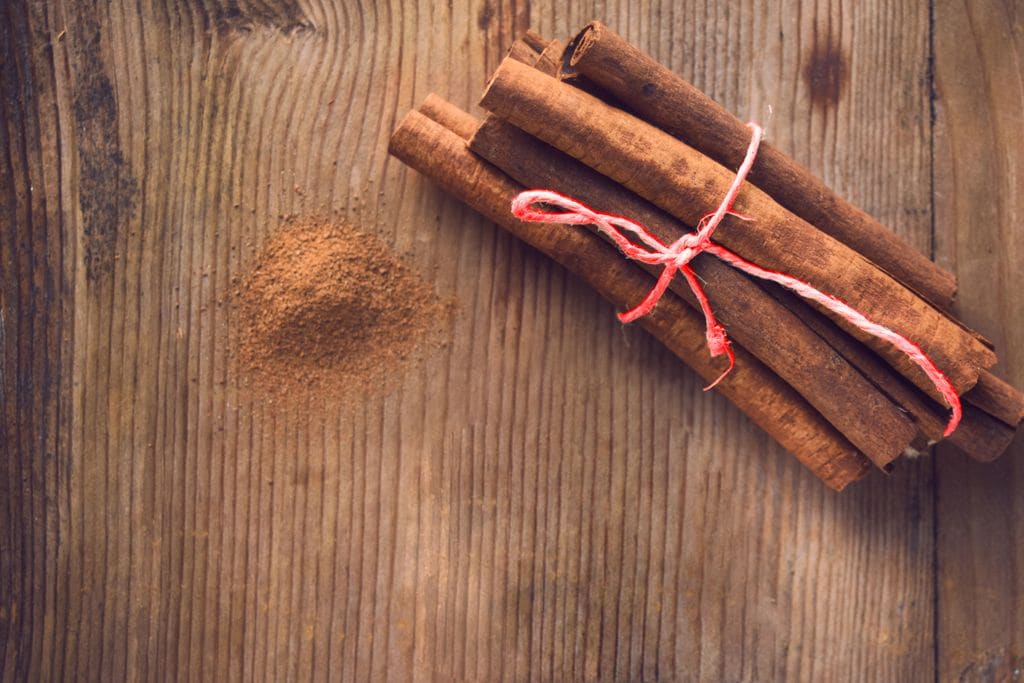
[551, 497]
[979, 209]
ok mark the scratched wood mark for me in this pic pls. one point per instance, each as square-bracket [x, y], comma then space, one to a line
[549, 497]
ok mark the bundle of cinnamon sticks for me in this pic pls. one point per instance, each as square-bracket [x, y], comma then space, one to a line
[600, 121]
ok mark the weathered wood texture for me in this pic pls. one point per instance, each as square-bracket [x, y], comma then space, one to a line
[550, 497]
[979, 210]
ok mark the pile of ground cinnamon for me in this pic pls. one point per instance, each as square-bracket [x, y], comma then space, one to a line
[330, 312]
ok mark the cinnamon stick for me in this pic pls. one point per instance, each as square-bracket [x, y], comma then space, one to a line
[442, 156]
[981, 436]
[550, 58]
[687, 184]
[534, 41]
[998, 398]
[659, 96]
[460, 122]
[546, 58]
[522, 51]
[755, 320]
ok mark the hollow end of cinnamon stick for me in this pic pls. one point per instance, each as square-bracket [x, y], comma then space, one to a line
[580, 43]
[543, 55]
[493, 82]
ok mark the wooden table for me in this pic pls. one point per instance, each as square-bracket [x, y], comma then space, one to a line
[551, 497]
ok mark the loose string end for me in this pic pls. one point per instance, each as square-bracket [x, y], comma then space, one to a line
[954, 420]
[732, 363]
[649, 302]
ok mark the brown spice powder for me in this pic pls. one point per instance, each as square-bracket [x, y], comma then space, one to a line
[329, 312]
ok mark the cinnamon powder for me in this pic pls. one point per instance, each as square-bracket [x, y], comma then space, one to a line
[330, 312]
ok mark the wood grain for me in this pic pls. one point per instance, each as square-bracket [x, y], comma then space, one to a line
[979, 206]
[551, 497]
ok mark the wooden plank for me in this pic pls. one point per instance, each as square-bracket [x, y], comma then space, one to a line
[979, 207]
[551, 496]
[34, 382]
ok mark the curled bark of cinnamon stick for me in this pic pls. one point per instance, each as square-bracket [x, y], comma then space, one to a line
[442, 156]
[550, 58]
[755, 320]
[547, 59]
[687, 184]
[659, 96]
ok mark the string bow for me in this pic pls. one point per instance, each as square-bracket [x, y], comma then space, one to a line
[676, 257]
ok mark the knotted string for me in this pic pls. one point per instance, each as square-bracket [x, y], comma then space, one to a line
[677, 256]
